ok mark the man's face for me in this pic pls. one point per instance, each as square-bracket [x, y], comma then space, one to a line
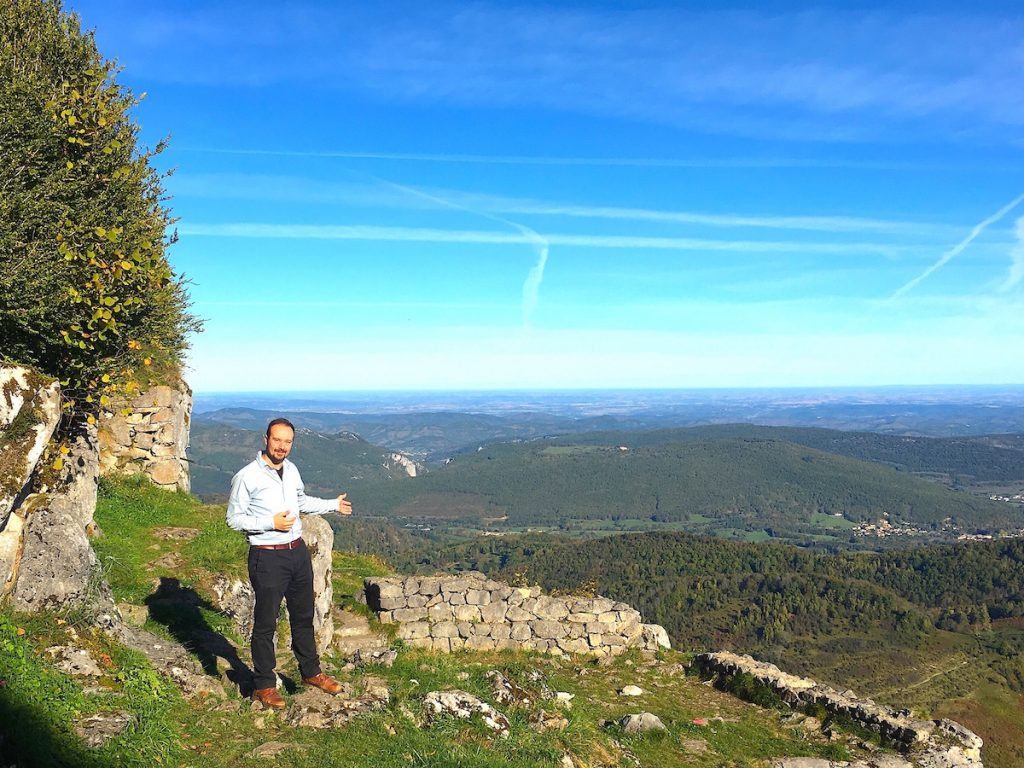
[279, 443]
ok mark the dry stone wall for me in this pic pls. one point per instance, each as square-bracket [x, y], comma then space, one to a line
[446, 613]
[150, 438]
[935, 743]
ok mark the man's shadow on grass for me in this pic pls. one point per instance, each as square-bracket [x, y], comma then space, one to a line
[179, 609]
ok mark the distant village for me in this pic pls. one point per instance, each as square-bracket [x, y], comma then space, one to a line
[883, 528]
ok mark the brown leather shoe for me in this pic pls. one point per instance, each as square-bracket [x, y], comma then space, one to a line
[324, 683]
[268, 697]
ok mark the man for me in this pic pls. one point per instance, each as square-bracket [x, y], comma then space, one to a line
[266, 497]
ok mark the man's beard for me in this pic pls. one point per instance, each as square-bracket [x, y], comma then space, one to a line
[276, 459]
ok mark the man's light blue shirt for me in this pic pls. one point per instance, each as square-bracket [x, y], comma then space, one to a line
[258, 493]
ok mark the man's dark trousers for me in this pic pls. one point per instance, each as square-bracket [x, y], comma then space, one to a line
[277, 574]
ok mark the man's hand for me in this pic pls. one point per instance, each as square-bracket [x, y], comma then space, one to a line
[283, 521]
[344, 505]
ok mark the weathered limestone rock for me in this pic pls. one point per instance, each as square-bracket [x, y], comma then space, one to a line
[463, 706]
[236, 598]
[58, 566]
[168, 657]
[96, 730]
[29, 413]
[74, 661]
[655, 636]
[641, 723]
[353, 636]
[508, 691]
[319, 538]
[315, 709]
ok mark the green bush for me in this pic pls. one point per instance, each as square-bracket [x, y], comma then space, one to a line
[86, 292]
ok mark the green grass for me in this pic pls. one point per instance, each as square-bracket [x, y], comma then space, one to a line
[831, 521]
[128, 510]
[44, 702]
[167, 730]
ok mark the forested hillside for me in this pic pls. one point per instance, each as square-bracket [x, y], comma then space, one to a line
[773, 487]
[981, 458]
[938, 627]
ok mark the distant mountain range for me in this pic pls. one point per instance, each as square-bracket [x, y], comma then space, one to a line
[797, 484]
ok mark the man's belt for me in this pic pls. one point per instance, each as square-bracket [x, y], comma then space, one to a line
[290, 545]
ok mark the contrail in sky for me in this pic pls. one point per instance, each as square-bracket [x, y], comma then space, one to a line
[1016, 259]
[959, 247]
[628, 162]
[531, 286]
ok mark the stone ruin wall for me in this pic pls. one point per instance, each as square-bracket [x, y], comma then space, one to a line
[150, 438]
[446, 613]
[934, 743]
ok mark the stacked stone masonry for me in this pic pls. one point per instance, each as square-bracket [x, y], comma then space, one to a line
[446, 613]
[936, 743]
[150, 438]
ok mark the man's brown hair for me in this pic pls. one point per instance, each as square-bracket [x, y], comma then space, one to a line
[275, 422]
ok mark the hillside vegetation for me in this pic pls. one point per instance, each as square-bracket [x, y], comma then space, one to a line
[41, 706]
[770, 487]
[939, 627]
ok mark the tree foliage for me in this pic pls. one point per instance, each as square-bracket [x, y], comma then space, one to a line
[86, 292]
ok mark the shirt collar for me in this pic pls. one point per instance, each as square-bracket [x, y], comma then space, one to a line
[267, 467]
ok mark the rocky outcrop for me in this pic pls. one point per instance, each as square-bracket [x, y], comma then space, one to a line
[402, 463]
[933, 743]
[29, 413]
[58, 567]
[446, 613]
[149, 434]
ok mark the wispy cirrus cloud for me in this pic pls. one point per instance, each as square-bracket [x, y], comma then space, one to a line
[820, 74]
[382, 194]
[485, 237]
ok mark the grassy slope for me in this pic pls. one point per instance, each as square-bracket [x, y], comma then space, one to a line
[167, 730]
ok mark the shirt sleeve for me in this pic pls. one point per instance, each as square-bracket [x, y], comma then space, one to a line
[312, 505]
[239, 516]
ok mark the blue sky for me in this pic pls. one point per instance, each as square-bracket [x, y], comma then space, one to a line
[491, 195]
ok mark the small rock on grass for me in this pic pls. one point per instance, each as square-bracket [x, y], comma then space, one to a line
[463, 705]
[98, 729]
[272, 749]
[642, 723]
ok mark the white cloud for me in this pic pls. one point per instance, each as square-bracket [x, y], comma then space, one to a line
[824, 74]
